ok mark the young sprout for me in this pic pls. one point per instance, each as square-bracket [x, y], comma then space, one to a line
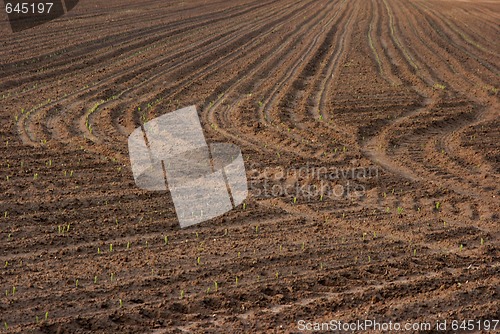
[414, 252]
[239, 254]
[198, 260]
[6, 264]
[438, 205]
[121, 303]
[166, 240]
[294, 200]
[208, 290]
[110, 247]
[112, 277]
[5, 325]
[369, 259]
[400, 210]
[303, 245]
[237, 280]
[244, 206]
[216, 285]
[95, 279]
[461, 247]
[277, 275]
[364, 235]
[182, 294]
[47, 315]
[482, 241]
[256, 228]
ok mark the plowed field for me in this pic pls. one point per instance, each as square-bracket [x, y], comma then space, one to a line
[390, 106]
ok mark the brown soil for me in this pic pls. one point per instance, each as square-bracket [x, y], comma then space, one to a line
[408, 89]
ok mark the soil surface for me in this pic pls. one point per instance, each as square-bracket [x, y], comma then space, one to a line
[370, 131]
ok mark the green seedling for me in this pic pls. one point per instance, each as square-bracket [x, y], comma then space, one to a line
[76, 283]
[294, 200]
[128, 244]
[14, 289]
[364, 236]
[244, 206]
[6, 326]
[439, 86]
[400, 210]
[35, 177]
[437, 205]
[182, 294]
[198, 260]
[482, 241]
[95, 279]
[112, 277]
[98, 250]
[237, 280]
[110, 247]
[369, 259]
[239, 255]
[461, 247]
[216, 285]
[256, 228]
[121, 303]
[414, 252]
[166, 240]
[47, 315]
[303, 245]
[277, 275]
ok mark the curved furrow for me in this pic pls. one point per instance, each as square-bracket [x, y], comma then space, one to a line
[284, 97]
[373, 34]
[461, 86]
[226, 43]
[470, 42]
[277, 58]
[128, 39]
[459, 43]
